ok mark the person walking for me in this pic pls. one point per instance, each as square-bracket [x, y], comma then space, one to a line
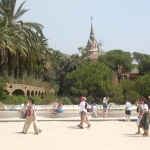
[128, 110]
[139, 110]
[144, 117]
[83, 113]
[105, 109]
[31, 117]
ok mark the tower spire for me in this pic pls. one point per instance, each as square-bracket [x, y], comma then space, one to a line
[92, 30]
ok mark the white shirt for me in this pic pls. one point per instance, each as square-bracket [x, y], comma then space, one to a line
[140, 108]
[94, 108]
[128, 106]
[23, 107]
[82, 106]
[105, 100]
[32, 109]
[145, 107]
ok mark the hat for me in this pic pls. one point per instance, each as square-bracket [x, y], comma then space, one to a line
[83, 98]
[149, 97]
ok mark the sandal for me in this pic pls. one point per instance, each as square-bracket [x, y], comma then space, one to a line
[89, 125]
[137, 133]
[80, 127]
[145, 135]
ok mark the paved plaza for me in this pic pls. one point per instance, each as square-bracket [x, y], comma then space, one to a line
[65, 135]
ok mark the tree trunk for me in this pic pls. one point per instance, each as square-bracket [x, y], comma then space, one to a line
[16, 72]
[2, 69]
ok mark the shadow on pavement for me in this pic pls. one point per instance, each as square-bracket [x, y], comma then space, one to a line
[133, 135]
[73, 127]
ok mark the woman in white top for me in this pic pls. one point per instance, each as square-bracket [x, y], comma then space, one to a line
[95, 109]
[145, 120]
[83, 111]
[105, 109]
[31, 117]
[140, 111]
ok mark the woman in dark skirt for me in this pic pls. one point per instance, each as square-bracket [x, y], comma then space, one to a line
[145, 120]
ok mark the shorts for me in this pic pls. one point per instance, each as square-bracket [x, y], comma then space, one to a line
[104, 105]
[138, 121]
[59, 111]
[128, 112]
[85, 114]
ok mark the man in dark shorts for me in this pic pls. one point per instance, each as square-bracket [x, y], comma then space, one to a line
[128, 110]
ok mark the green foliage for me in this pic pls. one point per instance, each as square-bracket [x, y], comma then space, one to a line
[143, 61]
[132, 96]
[49, 98]
[118, 60]
[68, 64]
[91, 80]
[65, 100]
[127, 85]
[116, 94]
[14, 100]
[142, 85]
[3, 94]
[90, 99]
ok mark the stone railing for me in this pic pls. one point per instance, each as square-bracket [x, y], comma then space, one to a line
[66, 107]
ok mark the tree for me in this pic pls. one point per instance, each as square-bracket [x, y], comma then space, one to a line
[22, 41]
[68, 64]
[83, 51]
[127, 85]
[91, 80]
[143, 61]
[142, 85]
[118, 60]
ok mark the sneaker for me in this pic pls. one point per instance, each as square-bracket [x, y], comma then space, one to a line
[40, 131]
[137, 133]
[89, 125]
[80, 127]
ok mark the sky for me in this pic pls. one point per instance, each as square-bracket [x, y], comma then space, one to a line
[118, 24]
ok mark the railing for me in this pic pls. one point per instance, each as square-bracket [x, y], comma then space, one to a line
[66, 107]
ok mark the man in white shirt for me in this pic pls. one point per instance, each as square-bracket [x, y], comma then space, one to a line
[128, 110]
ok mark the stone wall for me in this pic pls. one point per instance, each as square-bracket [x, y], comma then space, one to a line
[27, 90]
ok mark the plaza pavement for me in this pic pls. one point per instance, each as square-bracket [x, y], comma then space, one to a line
[63, 134]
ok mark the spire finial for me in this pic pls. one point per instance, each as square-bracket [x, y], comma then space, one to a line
[91, 18]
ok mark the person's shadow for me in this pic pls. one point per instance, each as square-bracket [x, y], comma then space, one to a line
[76, 127]
[133, 135]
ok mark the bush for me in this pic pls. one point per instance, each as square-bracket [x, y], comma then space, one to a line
[116, 95]
[14, 100]
[49, 98]
[65, 100]
[132, 96]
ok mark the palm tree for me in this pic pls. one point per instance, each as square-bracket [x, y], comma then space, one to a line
[24, 41]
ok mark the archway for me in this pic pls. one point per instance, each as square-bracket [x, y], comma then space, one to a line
[18, 92]
[28, 93]
[32, 93]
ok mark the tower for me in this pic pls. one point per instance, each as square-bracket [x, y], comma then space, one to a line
[92, 44]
